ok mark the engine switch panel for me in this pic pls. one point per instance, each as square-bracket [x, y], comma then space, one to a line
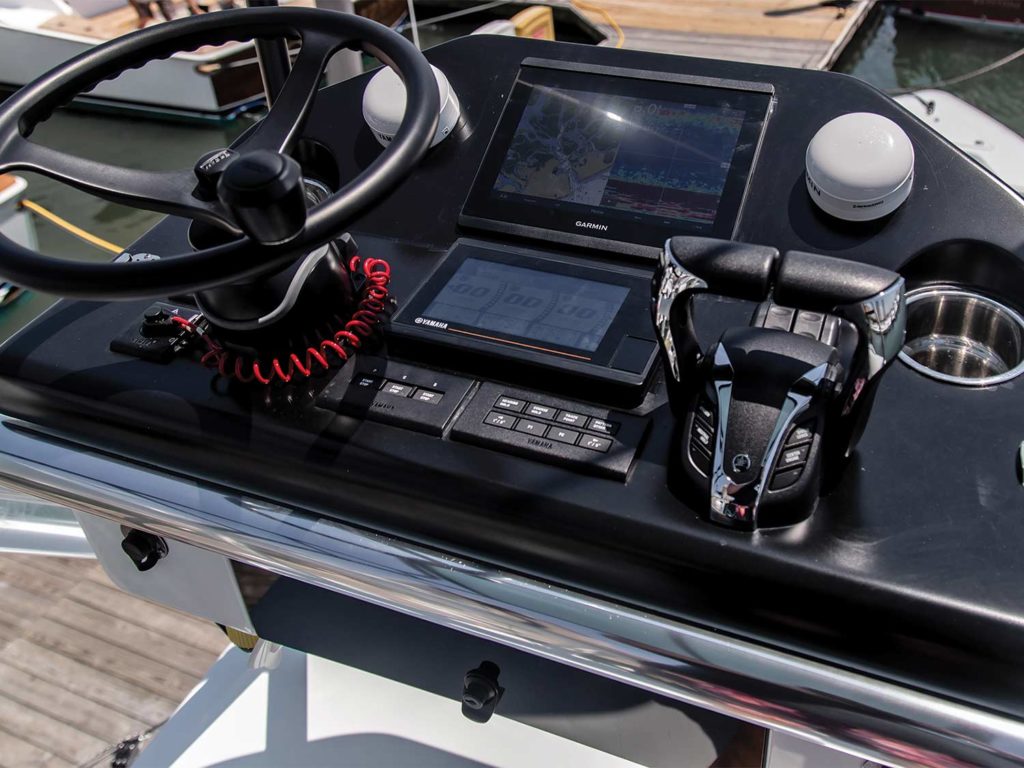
[396, 393]
[586, 438]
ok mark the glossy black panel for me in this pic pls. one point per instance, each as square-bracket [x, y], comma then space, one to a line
[907, 569]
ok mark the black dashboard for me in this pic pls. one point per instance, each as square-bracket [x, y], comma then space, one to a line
[543, 445]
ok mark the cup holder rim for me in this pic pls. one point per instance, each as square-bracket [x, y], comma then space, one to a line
[954, 291]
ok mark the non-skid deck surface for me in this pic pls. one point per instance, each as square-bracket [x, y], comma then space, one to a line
[794, 33]
[83, 664]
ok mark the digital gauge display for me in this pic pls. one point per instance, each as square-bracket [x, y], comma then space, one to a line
[494, 298]
[609, 156]
[526, 315]
[634, 155]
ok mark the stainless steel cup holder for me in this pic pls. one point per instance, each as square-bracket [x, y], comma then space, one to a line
[961, 337]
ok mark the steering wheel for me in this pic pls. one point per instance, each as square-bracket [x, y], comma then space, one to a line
[175, 192]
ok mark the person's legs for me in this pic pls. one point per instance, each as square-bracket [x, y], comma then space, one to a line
[142, 10]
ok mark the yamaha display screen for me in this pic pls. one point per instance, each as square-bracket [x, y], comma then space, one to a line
[502, 301]
[542, 313]
[585, 158]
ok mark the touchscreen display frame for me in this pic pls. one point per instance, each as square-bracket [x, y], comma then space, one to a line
[629, 328]
[607, 227]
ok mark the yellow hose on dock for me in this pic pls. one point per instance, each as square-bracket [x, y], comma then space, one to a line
[67, 226]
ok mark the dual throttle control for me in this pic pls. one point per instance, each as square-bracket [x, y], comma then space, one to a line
[770, 412]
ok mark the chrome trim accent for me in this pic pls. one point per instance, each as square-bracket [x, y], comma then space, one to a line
[675, 282]
[828, 705]
[955, 292]
[298, 281]
[881, 322]
[725, 490]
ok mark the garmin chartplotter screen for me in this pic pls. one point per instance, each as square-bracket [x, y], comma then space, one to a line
[511, 301]
[620, 159]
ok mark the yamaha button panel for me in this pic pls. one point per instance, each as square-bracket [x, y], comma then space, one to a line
[585, 438]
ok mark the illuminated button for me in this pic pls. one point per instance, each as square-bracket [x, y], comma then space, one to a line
[595, 443]
[397, 389]
[530, 427]
[502, 420]
[540, 411]
[428, 396]
[560, 435]
[510, 404]
[603, 426]
[572, 419]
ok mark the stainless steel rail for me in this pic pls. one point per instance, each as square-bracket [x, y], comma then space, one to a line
[831, 706]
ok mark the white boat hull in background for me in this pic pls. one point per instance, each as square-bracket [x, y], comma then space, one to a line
[998, 148]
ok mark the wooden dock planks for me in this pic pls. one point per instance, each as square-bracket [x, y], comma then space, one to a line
[794, 33]
[84, 665]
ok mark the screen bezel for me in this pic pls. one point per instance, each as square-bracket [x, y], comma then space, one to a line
[636, 234]
[409, 319]
[621, 296]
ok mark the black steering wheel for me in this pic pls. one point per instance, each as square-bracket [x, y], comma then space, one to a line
[174, 192]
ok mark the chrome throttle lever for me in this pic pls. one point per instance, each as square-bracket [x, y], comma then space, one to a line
[763, 409]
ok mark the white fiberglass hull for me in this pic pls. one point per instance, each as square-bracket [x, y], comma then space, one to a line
[174, 84]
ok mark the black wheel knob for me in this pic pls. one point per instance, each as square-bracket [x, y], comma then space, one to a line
[264, 191]
[144, 549]
[481, 692]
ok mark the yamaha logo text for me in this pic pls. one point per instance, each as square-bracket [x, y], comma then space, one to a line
[431, 323]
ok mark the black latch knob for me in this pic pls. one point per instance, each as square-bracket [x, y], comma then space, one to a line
[144, 549]
[209, 168]
[157, 324]
[264, 191]
[481, 692]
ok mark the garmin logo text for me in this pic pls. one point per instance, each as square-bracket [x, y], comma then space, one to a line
[431, 323]
[592, 225]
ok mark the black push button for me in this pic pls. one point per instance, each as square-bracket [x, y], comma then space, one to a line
[416, 398]
[798, 436]
[830, 330]
[705, 412]
[502, 420]
[602, 426]
[808, 323]
[367, 382]
[397, 389]
[572, 419]
[510, 404]
[592, 452]
[560, 435]
[595, 443]
[702, 436]
[780, 318]
[531, 427]
[541, 411]
[428, 396]
[785, 479]
[792, 457]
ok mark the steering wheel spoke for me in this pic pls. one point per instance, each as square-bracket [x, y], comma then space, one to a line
[161, 191]
[175, 192]
[281, 127]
